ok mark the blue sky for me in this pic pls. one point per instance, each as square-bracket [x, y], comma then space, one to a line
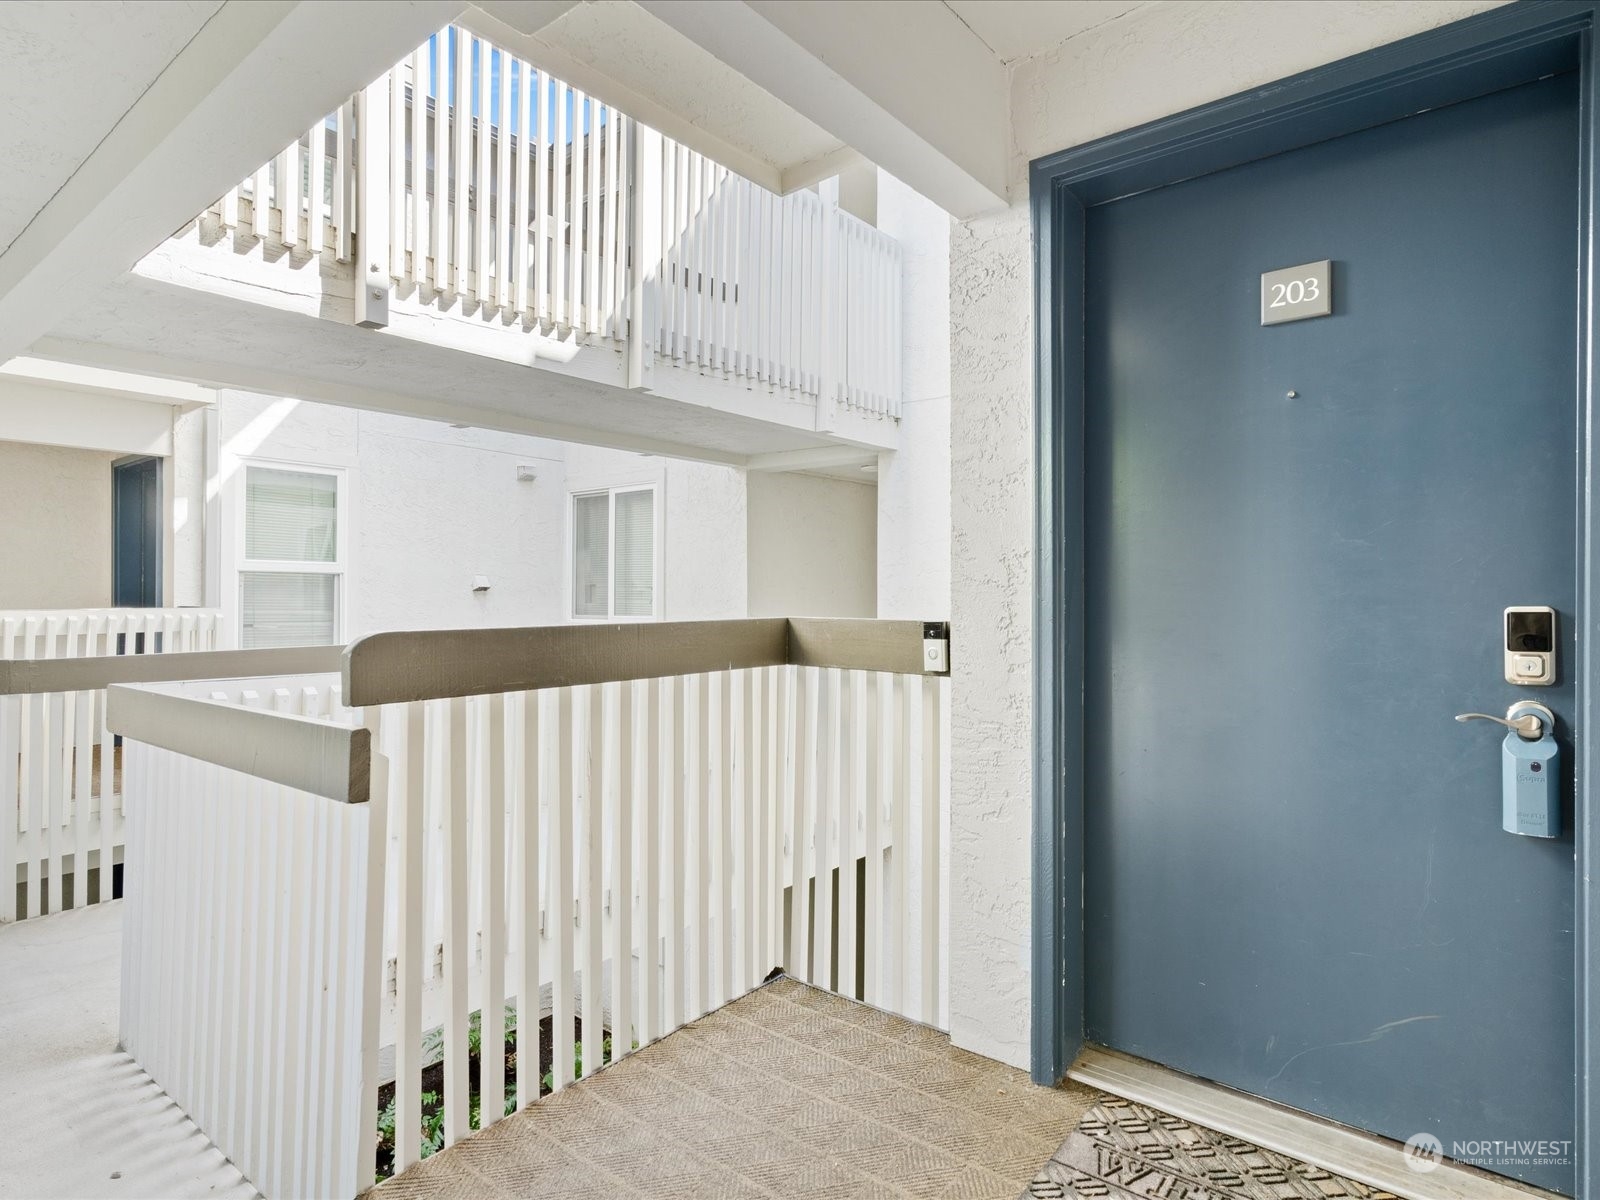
[544, 101]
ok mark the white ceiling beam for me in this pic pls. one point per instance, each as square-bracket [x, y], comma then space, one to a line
[810, 459]
[514, 25]
[101, 382]
[256, 75]
[835, 162]
[277, 382]
[904, 82]
[49, 416]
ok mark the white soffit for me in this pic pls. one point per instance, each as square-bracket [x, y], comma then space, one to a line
[1019, 29]
[904, 82]
[787, 92]
[68, 73]
[210, 102]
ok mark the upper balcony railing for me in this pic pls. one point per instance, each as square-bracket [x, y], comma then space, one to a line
[467, 178]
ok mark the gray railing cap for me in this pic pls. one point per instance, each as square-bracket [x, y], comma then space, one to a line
[399, 667]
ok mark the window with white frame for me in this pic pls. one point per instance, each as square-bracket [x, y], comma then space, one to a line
[292, 564]
[614, 554]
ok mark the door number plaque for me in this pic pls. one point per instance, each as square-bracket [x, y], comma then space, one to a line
[1295, 293]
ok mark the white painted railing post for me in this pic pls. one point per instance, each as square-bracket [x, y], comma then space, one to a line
[644, 301]
[369, 986]
[372, 202]
[10, 752]
[830, 299]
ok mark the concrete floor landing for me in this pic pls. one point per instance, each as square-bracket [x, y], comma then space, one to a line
[788, 1092]
[82, 1119]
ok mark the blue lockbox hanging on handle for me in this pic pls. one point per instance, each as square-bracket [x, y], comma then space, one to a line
[1530, 769]
[1531, 785]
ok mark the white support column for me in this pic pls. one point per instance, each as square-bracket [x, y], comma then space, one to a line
[211, 519]
[372, 204]
[644, 235]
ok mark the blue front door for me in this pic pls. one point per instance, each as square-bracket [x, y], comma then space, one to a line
[1301, 539]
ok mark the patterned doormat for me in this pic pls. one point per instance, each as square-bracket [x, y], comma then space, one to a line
[1121, 1149]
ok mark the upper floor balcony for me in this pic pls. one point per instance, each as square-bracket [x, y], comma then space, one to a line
[468, 203]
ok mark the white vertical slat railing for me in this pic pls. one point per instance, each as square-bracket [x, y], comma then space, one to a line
[59, 814]
[247, 959]
[508, 193]
[621, 857]
[507, 189]
[788, 292]
[596, 864]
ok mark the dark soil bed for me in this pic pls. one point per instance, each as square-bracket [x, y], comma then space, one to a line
[433, 1087]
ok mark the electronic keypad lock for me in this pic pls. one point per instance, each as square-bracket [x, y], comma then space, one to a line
[1530, 645]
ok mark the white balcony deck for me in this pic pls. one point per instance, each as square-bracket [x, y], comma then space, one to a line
[85, 1120]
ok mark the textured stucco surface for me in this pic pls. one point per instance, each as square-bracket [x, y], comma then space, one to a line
[429, 508]
[701, 522]
[1154, 61]
[991, 514]
[59, 554]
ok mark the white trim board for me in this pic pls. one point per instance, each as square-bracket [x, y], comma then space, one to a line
[1356, 1155]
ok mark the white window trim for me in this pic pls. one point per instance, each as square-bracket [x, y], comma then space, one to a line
[339, 567]
[570, 555]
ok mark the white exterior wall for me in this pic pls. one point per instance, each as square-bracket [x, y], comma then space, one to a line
[700, 526]
[813, 547]
[1150, 63]
[428, 508]
[55, 543]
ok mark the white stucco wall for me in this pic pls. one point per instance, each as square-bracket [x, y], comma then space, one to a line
[914, 482]
[812, 546]
[55, 542]
[706, 522]
[700, 520]
[429, 508]
[1150, 63]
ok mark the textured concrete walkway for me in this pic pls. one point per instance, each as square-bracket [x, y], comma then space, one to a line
[789, 1092]
[82, 1120]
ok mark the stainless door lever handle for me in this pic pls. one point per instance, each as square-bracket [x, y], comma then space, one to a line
[1525, 724]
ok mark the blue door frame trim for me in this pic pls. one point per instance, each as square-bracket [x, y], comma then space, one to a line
[1494, 50]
